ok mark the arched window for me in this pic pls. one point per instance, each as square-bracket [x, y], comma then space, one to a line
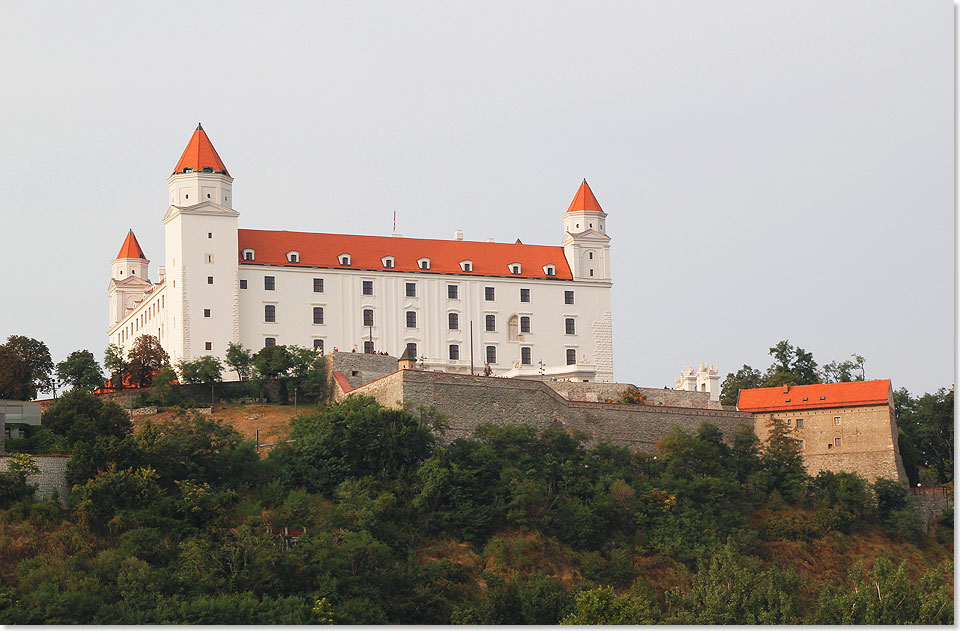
[249, 254]
[423, 263]
[453, 321]
[388, 262]
[293, 257]
[466, 266]
[344, 259]
[515, 268]
[550, 270]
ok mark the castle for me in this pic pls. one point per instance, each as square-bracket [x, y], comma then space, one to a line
[456, 305]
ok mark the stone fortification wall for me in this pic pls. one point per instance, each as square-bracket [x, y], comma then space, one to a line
[361, 368]
[598, 392]
[469, 401]
[53, 475]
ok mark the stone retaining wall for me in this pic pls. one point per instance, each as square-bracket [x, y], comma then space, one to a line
[52, 476]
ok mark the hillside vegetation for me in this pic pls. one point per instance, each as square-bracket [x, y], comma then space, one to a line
[178, 523]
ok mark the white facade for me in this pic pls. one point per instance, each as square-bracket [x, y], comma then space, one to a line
[705, 379]
[209, 296]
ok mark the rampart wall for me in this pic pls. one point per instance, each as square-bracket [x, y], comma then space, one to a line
[53, 475]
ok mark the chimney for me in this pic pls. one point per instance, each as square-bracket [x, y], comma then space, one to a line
[786, 388]
[458, 235]
[489, 239]
[161, 273]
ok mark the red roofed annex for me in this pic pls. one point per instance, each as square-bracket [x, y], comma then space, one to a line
[532, 309]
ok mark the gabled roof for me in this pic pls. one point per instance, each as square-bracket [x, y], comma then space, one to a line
[130, 248]
[816, 396]
[584, 199]
[366, 252]
[200, 154]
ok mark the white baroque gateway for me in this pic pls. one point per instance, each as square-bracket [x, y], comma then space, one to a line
[524, 310]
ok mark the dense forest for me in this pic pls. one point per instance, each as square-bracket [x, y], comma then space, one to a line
[184, 523]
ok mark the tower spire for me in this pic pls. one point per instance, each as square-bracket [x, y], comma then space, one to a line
[200, 155]
[584, 199]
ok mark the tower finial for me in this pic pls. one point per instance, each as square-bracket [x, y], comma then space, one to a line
[199, 126]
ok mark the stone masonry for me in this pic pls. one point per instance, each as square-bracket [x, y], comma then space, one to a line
[53, 470]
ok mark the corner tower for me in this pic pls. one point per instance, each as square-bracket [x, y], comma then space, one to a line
[585, 241]
[129, 280]
[201, 263]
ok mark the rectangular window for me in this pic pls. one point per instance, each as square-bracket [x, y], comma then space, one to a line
[269, 313]
[318, 315]
[318, 285]
[453, 292]
[491, 323]
[524, 324]
[524, 295]
[454, 351]
[525, 355]
[206, 313]
[837, 441]
[368, 317]
[570, 326]
[491, 354]
[836, 420]
[411, 319]
[800, 443]
[208, 346]
[243, 283]
[269, 283]
[318, 345]
[412, 348]
[411, 290]
[209, 258]
[209, 280]
[571, 356]
[368, 347]
[789, 422]
[799, 423]
[270, 341]
[568, 297]
[488, 293]
[368, 288]
[453, 321]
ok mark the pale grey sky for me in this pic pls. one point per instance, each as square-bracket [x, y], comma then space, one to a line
[771, 169]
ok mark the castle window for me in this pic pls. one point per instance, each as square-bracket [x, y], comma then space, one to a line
[412, 349]
[591, 272]
[208, 346]
[269, 313]
[491, 354]
[387, 261]
[411, 319]
[318, 315]
[344, 259]
[568, 297]
[515, 268]
[789, 422]
[799, 423]
[368, 288]
[549, 270]
[491, 322]
[368, 347]
[453, 321]
[209, 258]
[209, 280]
[293, 257]
[206, 313]
[524, 324]
[570, 326]
[524, 295]
[800, 443]
[318, 285]
[836, 420]
[134, 272]
[590, 255]
[488, 293]
[318, 345]
[838, 441]
[423, 263]
[368, 317]
[208, 194]
[209, 234]
[243, 283]
[411, 290]
[249, 255]
[270, 341]
[269, 283]
[525, 355]
[454, 351]
[453, 292]
[571, 356]
[466, 266]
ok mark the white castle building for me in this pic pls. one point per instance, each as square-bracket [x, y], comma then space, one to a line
[526, 310]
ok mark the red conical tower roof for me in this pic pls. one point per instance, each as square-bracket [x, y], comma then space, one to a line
[200, 154]
[584, 199]
[130, 248]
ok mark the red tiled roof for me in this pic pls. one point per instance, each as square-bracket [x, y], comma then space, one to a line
[341, 380]
[366, 252]
[821, 395]
[200, 154]
[130, 248]
[584, 199]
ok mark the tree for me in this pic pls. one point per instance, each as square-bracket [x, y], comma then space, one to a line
[837, 372]
[145, 359]
[25, 368]
[240, 359]
[783, 462]
[804, 368]
[603, 606]
[81, 416]
[307, 371]
[206, 370]
[272, 363]
[926, 425]
[743, 379]
[81, 371]
[115, 364]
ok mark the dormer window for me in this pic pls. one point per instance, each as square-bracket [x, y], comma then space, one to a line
[550, 270]
[515, 268]
[208, 170]
[344, 259]
[249, 255]
[293, 257]
[388, 262]
[423, 263]
[466, 266]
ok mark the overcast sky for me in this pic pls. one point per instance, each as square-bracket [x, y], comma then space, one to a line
[771, 170]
